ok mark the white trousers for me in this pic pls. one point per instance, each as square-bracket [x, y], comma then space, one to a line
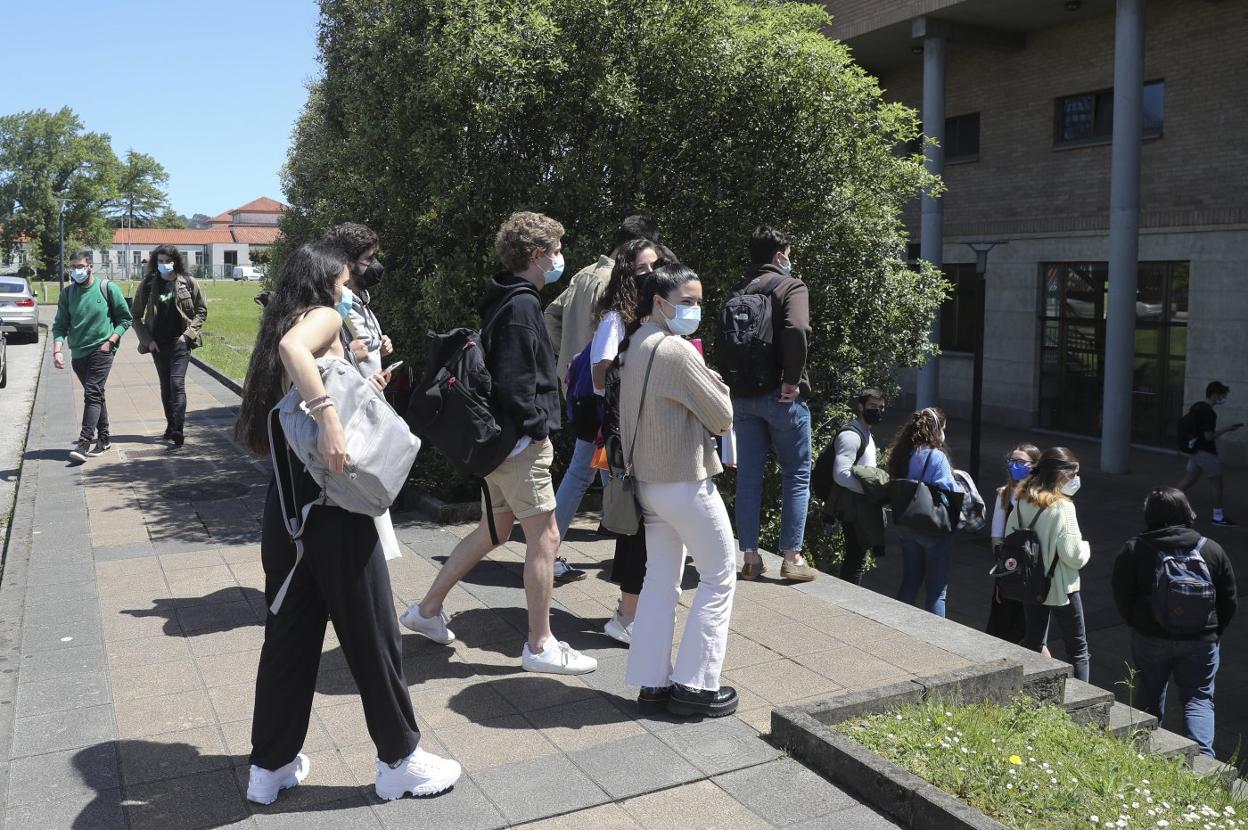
[684, 515]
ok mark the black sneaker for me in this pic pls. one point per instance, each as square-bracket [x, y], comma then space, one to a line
[168, 433]
[102, 446]
[81, 450]
[178, 440]
[1224, 522]
[687, 702]
[565, 573]
[652, 700]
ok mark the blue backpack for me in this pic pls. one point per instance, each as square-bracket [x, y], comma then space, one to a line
[584, 406]
[1184, 599]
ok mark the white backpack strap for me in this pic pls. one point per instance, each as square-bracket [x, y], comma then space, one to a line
[294, 525]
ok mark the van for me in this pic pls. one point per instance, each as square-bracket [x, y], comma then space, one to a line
[246, 272]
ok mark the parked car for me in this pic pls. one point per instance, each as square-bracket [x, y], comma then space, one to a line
[246, 272]
[18, 306]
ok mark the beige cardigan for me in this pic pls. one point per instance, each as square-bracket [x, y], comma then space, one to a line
[686, 405]
[570, 318]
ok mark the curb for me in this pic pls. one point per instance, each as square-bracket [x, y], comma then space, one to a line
[228, 382]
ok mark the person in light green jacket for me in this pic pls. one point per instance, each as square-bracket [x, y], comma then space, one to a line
[92, 315]
[1049, 490]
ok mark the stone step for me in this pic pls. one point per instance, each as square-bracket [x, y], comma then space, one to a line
[1169, 744]
[1204, 766]
[1123, 720]
[1087, 704]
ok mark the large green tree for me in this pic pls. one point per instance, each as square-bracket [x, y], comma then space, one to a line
[141, 200]
[45, 156]
[435, 119]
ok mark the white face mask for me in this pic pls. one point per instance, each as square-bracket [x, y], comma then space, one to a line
[686, 320]
[79, 275]
[165, 268]
[1071, 487]
[785, 266]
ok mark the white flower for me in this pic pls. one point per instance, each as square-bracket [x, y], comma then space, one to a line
[1009, 786]
[1052, 780]
[1094, 819]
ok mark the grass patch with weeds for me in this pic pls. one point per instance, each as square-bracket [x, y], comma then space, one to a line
[1029, 766]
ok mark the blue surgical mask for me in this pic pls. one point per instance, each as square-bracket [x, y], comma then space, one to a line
[79, 275]
[556, 269]
[686, 320]
[787, 267]
[344, 303]
[1019, 470]
[165, 268]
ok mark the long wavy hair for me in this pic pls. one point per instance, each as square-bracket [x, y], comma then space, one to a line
[1012, 488]
[307, 280]
[924, 430]
[622, 290]
[658, 283]
[179, 263]
[1055, 468]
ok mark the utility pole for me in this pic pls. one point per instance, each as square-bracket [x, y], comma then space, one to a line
[981, 250]
[60, 265]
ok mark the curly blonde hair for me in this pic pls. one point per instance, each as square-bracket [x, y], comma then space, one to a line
[523, 233]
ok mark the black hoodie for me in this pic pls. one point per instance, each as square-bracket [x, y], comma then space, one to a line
[1133, 581]
[519, 356]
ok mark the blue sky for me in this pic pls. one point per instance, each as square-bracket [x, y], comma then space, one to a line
[211, 89]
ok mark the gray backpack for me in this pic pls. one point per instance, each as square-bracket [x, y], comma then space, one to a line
[380, 450]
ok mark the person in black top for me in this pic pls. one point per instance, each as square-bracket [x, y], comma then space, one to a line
[1159, 653]
[1203, 453]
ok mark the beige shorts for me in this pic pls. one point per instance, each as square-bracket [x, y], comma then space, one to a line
[521, 485]
[1204, 462]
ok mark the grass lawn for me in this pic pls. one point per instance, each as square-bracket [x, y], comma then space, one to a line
[233, 318]
[1029, 767]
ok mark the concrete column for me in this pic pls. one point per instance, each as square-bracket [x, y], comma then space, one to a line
[932, 228]
[1124, 235]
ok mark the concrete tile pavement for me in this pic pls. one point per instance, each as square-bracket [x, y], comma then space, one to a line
[133, 617]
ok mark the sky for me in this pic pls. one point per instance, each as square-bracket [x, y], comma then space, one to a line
[211, 90]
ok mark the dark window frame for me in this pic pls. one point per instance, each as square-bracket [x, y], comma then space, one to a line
[954, 125]
[957, 313]
[1101, 117]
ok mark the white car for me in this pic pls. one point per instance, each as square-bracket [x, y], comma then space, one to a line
[19, 307]
[246, 272]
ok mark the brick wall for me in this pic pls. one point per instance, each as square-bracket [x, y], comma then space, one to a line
[1194, 175]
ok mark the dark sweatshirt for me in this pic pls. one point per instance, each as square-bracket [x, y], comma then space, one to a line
[792, 320]
[1133, 581]
[519, 356]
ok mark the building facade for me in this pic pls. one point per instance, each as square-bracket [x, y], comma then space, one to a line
[1028, 100]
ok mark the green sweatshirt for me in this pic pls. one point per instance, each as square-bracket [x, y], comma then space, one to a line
[87, 319]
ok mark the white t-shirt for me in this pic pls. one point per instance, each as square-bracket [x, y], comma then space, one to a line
[606, 342]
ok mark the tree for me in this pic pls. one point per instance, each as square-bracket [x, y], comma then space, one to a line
[435, 119]
[43, 156]
[168, 219]
[141, 198]
[199, 220]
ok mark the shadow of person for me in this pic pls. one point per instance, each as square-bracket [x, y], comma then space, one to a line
[421, 664]
[175, 785]
[222, 610]
[468, 702]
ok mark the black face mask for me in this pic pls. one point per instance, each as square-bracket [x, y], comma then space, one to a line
[871, 417]
[372, 275]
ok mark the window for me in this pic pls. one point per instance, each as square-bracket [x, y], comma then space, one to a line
[231, 258]
[1088, 118]
[199, 257]
[138, 258]
[961, 139]
[104, 258]
[958, 318]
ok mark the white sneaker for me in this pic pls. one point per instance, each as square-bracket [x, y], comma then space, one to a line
[432, 627]
[558, 658]
[619, 630]
[263, 785]
[420, 774]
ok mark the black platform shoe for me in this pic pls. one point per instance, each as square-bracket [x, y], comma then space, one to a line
[653, 699]
[687, 702]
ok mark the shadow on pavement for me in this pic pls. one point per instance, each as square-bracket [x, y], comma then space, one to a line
[223, 610]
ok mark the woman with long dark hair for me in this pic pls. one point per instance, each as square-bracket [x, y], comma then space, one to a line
[919, 453]
[341, 576]
[168, 314]
[671, 408]
[1048, 492]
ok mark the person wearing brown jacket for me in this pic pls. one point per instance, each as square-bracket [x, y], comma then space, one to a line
[779, 418]
[169, 313]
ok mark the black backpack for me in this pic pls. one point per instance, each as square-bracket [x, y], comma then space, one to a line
[1019, 567]
[823, 482]
[452, 409]
[745, 347]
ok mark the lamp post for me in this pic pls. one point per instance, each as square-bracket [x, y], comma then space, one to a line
[981, 250]
[60, 276]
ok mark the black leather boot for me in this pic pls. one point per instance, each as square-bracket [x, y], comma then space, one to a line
[687, 702]
[653, 699]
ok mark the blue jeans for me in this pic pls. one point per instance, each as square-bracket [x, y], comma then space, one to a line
[1193, 665]
[760, 423]
[576, 480]
[926, 558]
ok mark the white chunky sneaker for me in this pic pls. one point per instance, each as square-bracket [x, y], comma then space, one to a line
[558, 658]
[435, 628]
[263, 785]
[419, 774]
[619, 630]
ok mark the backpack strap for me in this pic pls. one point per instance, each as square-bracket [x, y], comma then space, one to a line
[296, 520]
[628, 462]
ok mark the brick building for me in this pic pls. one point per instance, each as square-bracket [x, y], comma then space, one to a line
[1029, 104]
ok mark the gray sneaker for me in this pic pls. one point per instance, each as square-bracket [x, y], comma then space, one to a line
[81, 450]
[102, 446]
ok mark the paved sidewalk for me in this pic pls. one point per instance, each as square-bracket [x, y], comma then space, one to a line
[133, 613]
